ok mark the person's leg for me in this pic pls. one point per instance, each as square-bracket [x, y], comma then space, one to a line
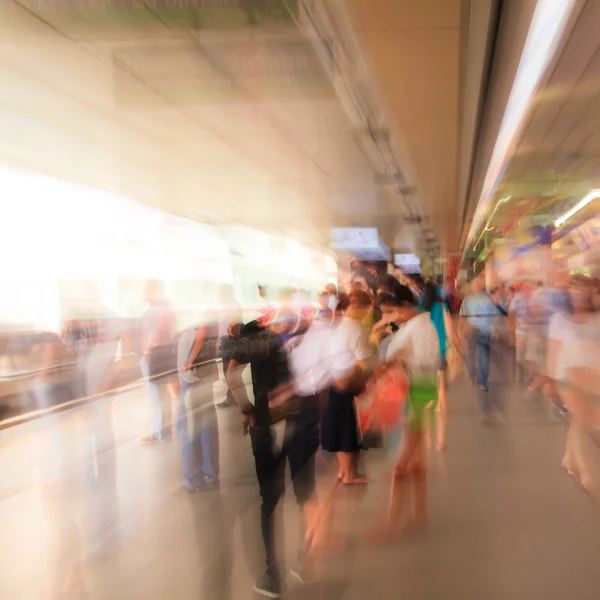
[166, 402]
[483, 359]
[226, 358]
[441, 411]
[418, 479]
[270, 472]
[471, 358]
[209, 432]
[395, 519]
[483, 368]
[192, 476]
[301, 442]
[155, 402]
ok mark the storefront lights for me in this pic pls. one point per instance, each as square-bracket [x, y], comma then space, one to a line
[581, 204]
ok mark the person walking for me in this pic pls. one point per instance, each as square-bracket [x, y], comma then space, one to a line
[158, 327]
[438, 311]
[262, 346]
[197, 424]
[479, 322]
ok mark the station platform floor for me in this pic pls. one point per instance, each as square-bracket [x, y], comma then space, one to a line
[506, 522]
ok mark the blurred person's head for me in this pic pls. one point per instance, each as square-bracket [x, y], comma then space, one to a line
[262, 291]
[154, 290]
[343, 303]
[399, 307]
[582, 294]
[387, 284]
[331, 289]
[359, 282]
[430, 296]
[324, 300]
[359, 304]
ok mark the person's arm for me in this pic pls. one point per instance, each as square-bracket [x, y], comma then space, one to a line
[198, 343]
[378, 331]
[236, 384]
[451, 330]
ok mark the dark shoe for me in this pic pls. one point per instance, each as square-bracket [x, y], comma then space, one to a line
[267, 586]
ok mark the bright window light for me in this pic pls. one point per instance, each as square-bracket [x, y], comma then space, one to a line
[581, 204]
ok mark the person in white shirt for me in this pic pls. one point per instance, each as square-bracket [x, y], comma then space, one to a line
[350, 353]
[416, 347]
[572, 363]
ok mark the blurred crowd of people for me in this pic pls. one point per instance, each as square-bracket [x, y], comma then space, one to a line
[366, 366]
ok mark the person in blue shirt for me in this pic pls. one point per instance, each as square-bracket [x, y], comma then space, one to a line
[433, 303]
[480, 321]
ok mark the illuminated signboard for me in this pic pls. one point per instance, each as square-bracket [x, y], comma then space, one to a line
[409, 263]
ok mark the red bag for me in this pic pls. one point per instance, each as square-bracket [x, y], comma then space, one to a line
[381, 405]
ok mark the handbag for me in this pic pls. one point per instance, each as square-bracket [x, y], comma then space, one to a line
[379, 408]
[284, 403]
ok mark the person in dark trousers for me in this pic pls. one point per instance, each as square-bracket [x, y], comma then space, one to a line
[263, 348]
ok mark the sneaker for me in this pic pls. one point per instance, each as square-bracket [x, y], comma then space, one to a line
[267, 586]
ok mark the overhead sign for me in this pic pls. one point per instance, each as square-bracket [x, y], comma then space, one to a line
[409, 263]
[219, 71]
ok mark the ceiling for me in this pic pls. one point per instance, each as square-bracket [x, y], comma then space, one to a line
[412, 49]
[212, 115]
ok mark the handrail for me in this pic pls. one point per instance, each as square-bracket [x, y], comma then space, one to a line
[23, 374]
[85, 399]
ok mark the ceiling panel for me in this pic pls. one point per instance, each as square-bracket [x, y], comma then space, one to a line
[271, 151]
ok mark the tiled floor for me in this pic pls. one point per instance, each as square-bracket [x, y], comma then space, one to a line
[506, 522]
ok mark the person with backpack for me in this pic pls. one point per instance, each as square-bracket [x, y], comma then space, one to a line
[268, 347]
[197, 423]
